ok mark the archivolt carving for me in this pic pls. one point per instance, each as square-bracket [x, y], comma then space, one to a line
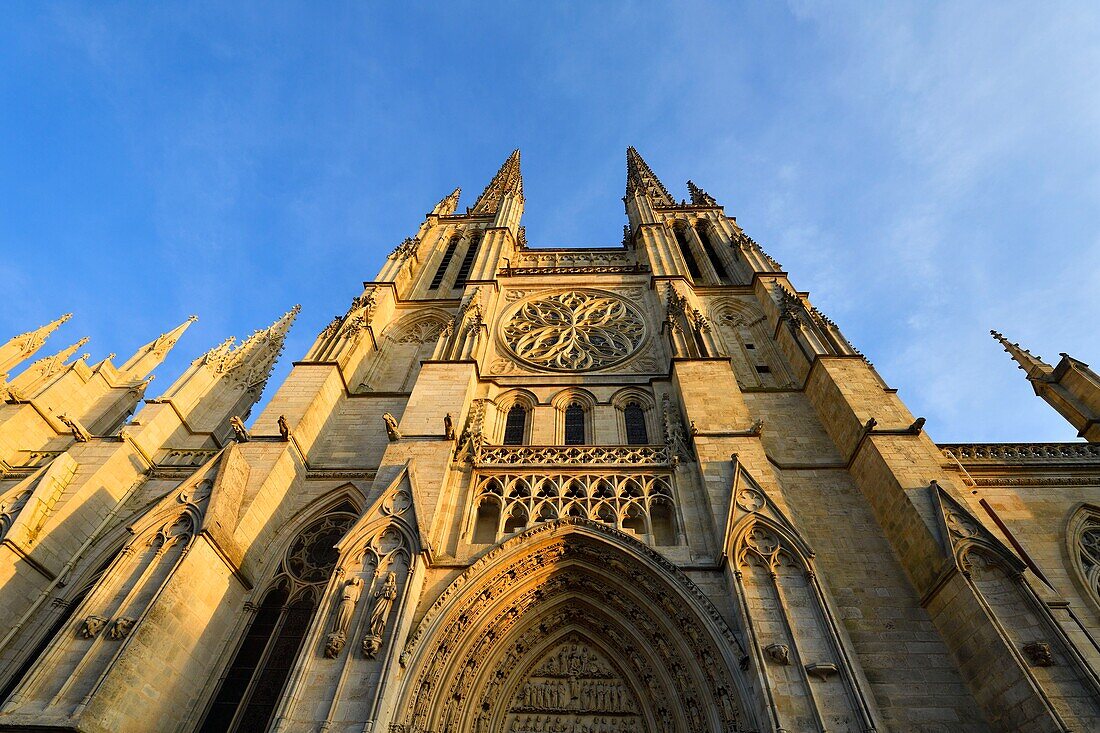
[574, 330]
[503, 634]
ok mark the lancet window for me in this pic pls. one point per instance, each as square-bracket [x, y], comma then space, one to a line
[639, 503]
[1084, 540]
[253, 684]
[634, 419]
[64, 613]
[515, 425]
[689, 256]
[574, 433]
[712, 253]
[468, 262]
[448, 255]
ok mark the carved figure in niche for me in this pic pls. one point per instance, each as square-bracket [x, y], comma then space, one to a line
[383, 601]
[779, 653]
[334, 642]
[284, 428]
[92, 626]
[1039, 653]
[673, 428]
[79, 432]
[239, 430]
[391, 426]
[448, 427]
[121, 627]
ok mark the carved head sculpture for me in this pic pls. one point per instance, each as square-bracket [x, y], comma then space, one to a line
[779, 653]
[1039, 653]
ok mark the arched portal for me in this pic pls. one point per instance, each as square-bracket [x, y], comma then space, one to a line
[575, 627]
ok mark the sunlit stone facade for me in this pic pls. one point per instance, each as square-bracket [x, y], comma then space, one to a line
[642, 488]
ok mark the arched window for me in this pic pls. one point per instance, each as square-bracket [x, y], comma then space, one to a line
[254, 682]
[448, 254]
[515, 425]
[712, 253]
[467, 262]
[574, 424]
[689, 256]
[634, 417]
[64, 613]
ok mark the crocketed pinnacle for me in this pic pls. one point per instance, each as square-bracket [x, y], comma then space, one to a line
[250, 364]
[149, 357]
[47, 367]
[699, 197]
[640, 179]
[26, 344]
[448, 203]
[1028, 362]
[508, 180]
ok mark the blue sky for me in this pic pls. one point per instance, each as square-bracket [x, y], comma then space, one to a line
[926, 171]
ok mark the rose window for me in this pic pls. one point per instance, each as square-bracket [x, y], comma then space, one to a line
[575, 330]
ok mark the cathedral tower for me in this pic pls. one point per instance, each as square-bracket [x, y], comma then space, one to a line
[514, 489]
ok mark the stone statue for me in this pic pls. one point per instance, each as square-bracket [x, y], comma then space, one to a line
[284, 428]
[376, 626]
[391, 426]
[334, 642]
[448, 427]
[239, 430]
[79, 432]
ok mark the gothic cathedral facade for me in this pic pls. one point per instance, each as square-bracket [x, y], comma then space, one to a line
[637, 489]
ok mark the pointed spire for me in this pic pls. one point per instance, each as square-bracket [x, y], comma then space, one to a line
[24, 345]
[641, 180]
[149, 357]
[46, 367]
[448, 203]
[250, 364]
[1030, 363]
[508, 180]
[699, 197]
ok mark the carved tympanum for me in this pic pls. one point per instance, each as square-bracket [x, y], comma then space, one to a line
[576, 687]
[575, 330]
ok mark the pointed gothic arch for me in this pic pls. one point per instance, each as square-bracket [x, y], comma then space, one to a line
[483, 647]
[1083, 549]
[285, 605]
[743, 331]
[409, 339]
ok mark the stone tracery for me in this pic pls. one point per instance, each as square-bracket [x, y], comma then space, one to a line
[575, 330]
[640, 502]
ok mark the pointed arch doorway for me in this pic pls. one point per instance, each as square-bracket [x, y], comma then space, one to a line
[571, 627]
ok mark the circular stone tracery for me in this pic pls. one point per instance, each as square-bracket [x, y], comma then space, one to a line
[575, 330]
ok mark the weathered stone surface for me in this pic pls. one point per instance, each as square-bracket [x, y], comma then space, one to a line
[511, 490]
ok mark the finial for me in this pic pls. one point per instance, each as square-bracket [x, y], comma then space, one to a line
[24, 345]
[150, 356]
[699, 197]
[1024, 358]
